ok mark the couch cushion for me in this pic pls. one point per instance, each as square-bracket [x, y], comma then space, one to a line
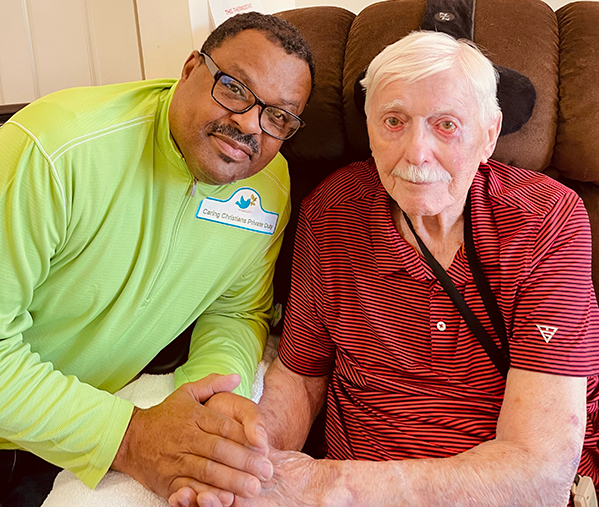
[523, 35]
[323, 139]
[577, 147]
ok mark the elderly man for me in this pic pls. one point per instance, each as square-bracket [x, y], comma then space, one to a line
[417, 411]
[128, 212]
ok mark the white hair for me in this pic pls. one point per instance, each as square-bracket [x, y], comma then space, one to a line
[422, 54]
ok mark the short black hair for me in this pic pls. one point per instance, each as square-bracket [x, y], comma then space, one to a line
[278, 31]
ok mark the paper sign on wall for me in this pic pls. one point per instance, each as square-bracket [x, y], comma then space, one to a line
[223, 9]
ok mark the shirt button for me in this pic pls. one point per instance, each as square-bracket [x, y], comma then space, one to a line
[441, 326]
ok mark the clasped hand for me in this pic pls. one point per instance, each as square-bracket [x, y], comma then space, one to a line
[202, 437]
[298, 481]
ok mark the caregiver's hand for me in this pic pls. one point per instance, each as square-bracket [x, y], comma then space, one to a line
[181, 438]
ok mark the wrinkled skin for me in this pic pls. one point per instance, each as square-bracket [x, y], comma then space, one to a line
[298, 481]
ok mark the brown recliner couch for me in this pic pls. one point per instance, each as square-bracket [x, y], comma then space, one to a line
[558, 51]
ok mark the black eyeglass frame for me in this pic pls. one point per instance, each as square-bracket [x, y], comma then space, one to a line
[217, 74]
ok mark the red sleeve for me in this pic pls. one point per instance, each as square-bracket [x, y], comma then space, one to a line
[556, 320]
[306, 347]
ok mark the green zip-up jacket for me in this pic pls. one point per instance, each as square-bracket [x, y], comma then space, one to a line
[108, 251]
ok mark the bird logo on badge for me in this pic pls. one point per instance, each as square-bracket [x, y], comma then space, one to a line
[246, 203]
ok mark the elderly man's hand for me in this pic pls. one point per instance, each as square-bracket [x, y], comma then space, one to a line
[221, 452]
[298, 481]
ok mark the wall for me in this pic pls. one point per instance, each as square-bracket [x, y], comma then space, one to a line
[47, 45]
[556, 4]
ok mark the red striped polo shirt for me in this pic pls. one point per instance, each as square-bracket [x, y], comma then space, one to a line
[409, 379]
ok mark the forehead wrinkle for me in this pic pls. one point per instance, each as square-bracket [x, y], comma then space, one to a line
[247, 81]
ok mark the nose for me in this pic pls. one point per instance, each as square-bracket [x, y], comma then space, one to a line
[416, 149]
[248, 122]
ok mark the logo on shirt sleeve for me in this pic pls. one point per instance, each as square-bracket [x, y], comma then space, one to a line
[547, 332]
[242, 210]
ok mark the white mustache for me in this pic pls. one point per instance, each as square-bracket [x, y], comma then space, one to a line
[422, 174]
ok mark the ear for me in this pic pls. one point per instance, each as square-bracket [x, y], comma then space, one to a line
[193, 61]
[490, 138]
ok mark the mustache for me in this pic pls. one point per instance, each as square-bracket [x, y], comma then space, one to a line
[236, 135]
[422, 174]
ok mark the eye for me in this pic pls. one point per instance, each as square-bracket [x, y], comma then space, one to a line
[448, 126]
[393, 122]
[277, 116]
[234, 88]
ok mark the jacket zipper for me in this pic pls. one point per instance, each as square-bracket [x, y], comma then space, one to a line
[186, 198]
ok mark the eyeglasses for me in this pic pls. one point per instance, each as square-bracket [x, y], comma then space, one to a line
[236, 97]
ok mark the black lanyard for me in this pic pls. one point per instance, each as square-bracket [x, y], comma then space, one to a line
[499, 356]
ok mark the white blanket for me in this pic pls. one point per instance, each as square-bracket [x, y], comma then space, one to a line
[120, 490]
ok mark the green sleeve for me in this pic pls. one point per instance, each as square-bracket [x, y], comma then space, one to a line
[55, 416]
[229, 337]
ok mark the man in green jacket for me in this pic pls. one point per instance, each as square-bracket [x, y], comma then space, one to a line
[127, 213]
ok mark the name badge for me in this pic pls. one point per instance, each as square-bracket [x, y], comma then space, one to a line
[242, 210]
